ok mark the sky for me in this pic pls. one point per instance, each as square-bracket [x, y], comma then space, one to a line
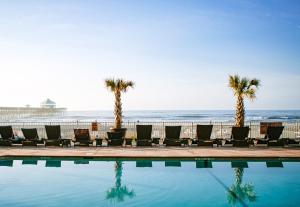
[178, 53]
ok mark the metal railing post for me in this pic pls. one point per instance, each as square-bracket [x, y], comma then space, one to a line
[221, 130]
[192, 134]
[162, 132]
[250, 129]
[297, 129]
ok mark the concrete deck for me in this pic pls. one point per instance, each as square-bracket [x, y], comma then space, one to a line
[155, 152]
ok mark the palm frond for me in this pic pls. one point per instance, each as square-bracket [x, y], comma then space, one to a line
[234, 81]
[110, 84]
[255, 82]
[126, 84]
[243, 85]
[250, 93]
[118, 84]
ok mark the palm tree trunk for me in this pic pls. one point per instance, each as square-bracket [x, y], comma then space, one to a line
[240, 112]
[118, 173]
[238, 175]
[118, 110]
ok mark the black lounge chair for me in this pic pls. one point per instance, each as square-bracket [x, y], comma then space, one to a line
[204, 164]
[53, 135]
[31, 137]
[53, 163]
[7, 135]
[239, 136]
[278, 164]
[273, 135]
[6, 163]
[172, 136]
[115, 138]
[143, 135]
[82, 137]
[143, 163]
[292, 142]
[172, 164]
[203, 134]
[29, 162]
[81, 162]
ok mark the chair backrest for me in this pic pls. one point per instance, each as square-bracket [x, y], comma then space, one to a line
[204, 132]
[7, 163]
[30, 133]
[240, 133]
[53, 132]
[82, 135]
[114, 135]
[274, 132]
[143, 163]
[6, 132]
[143, 131]
[172, 164]
[53, 163]
[172, 132]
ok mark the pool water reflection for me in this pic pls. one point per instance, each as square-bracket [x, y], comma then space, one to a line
[90, 182]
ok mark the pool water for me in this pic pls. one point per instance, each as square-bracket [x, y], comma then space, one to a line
[83, 182]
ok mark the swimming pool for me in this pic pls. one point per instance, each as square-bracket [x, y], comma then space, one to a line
[91, 182]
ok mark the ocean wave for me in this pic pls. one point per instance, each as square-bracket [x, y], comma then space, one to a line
[161, 116]
[284, 117]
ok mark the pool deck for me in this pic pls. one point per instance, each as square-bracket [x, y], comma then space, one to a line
[155, 152]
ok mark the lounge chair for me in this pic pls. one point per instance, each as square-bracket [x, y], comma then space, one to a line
[278, 164]
[53, 163]
[143, 163]
[172, 136]
[239, 136]
[7, 135]
[203, 135]
[53, 135]
[273, 135]
[82, 137]
[31, 137]
[292, 142]
[29, 162]
[81, 162]
[115, 138]
[204, 164]
[172, 163]
[6, 163]
[143, 133]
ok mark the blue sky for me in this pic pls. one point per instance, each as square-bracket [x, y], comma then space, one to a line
[179, 53]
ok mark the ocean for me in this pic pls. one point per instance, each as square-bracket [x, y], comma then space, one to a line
[172, 115]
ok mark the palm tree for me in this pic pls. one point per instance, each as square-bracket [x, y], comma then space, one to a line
[119, 192]
[242, 87]
[117, 86]
[239, 192]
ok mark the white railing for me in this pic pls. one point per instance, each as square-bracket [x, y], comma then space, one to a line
[220, 129]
